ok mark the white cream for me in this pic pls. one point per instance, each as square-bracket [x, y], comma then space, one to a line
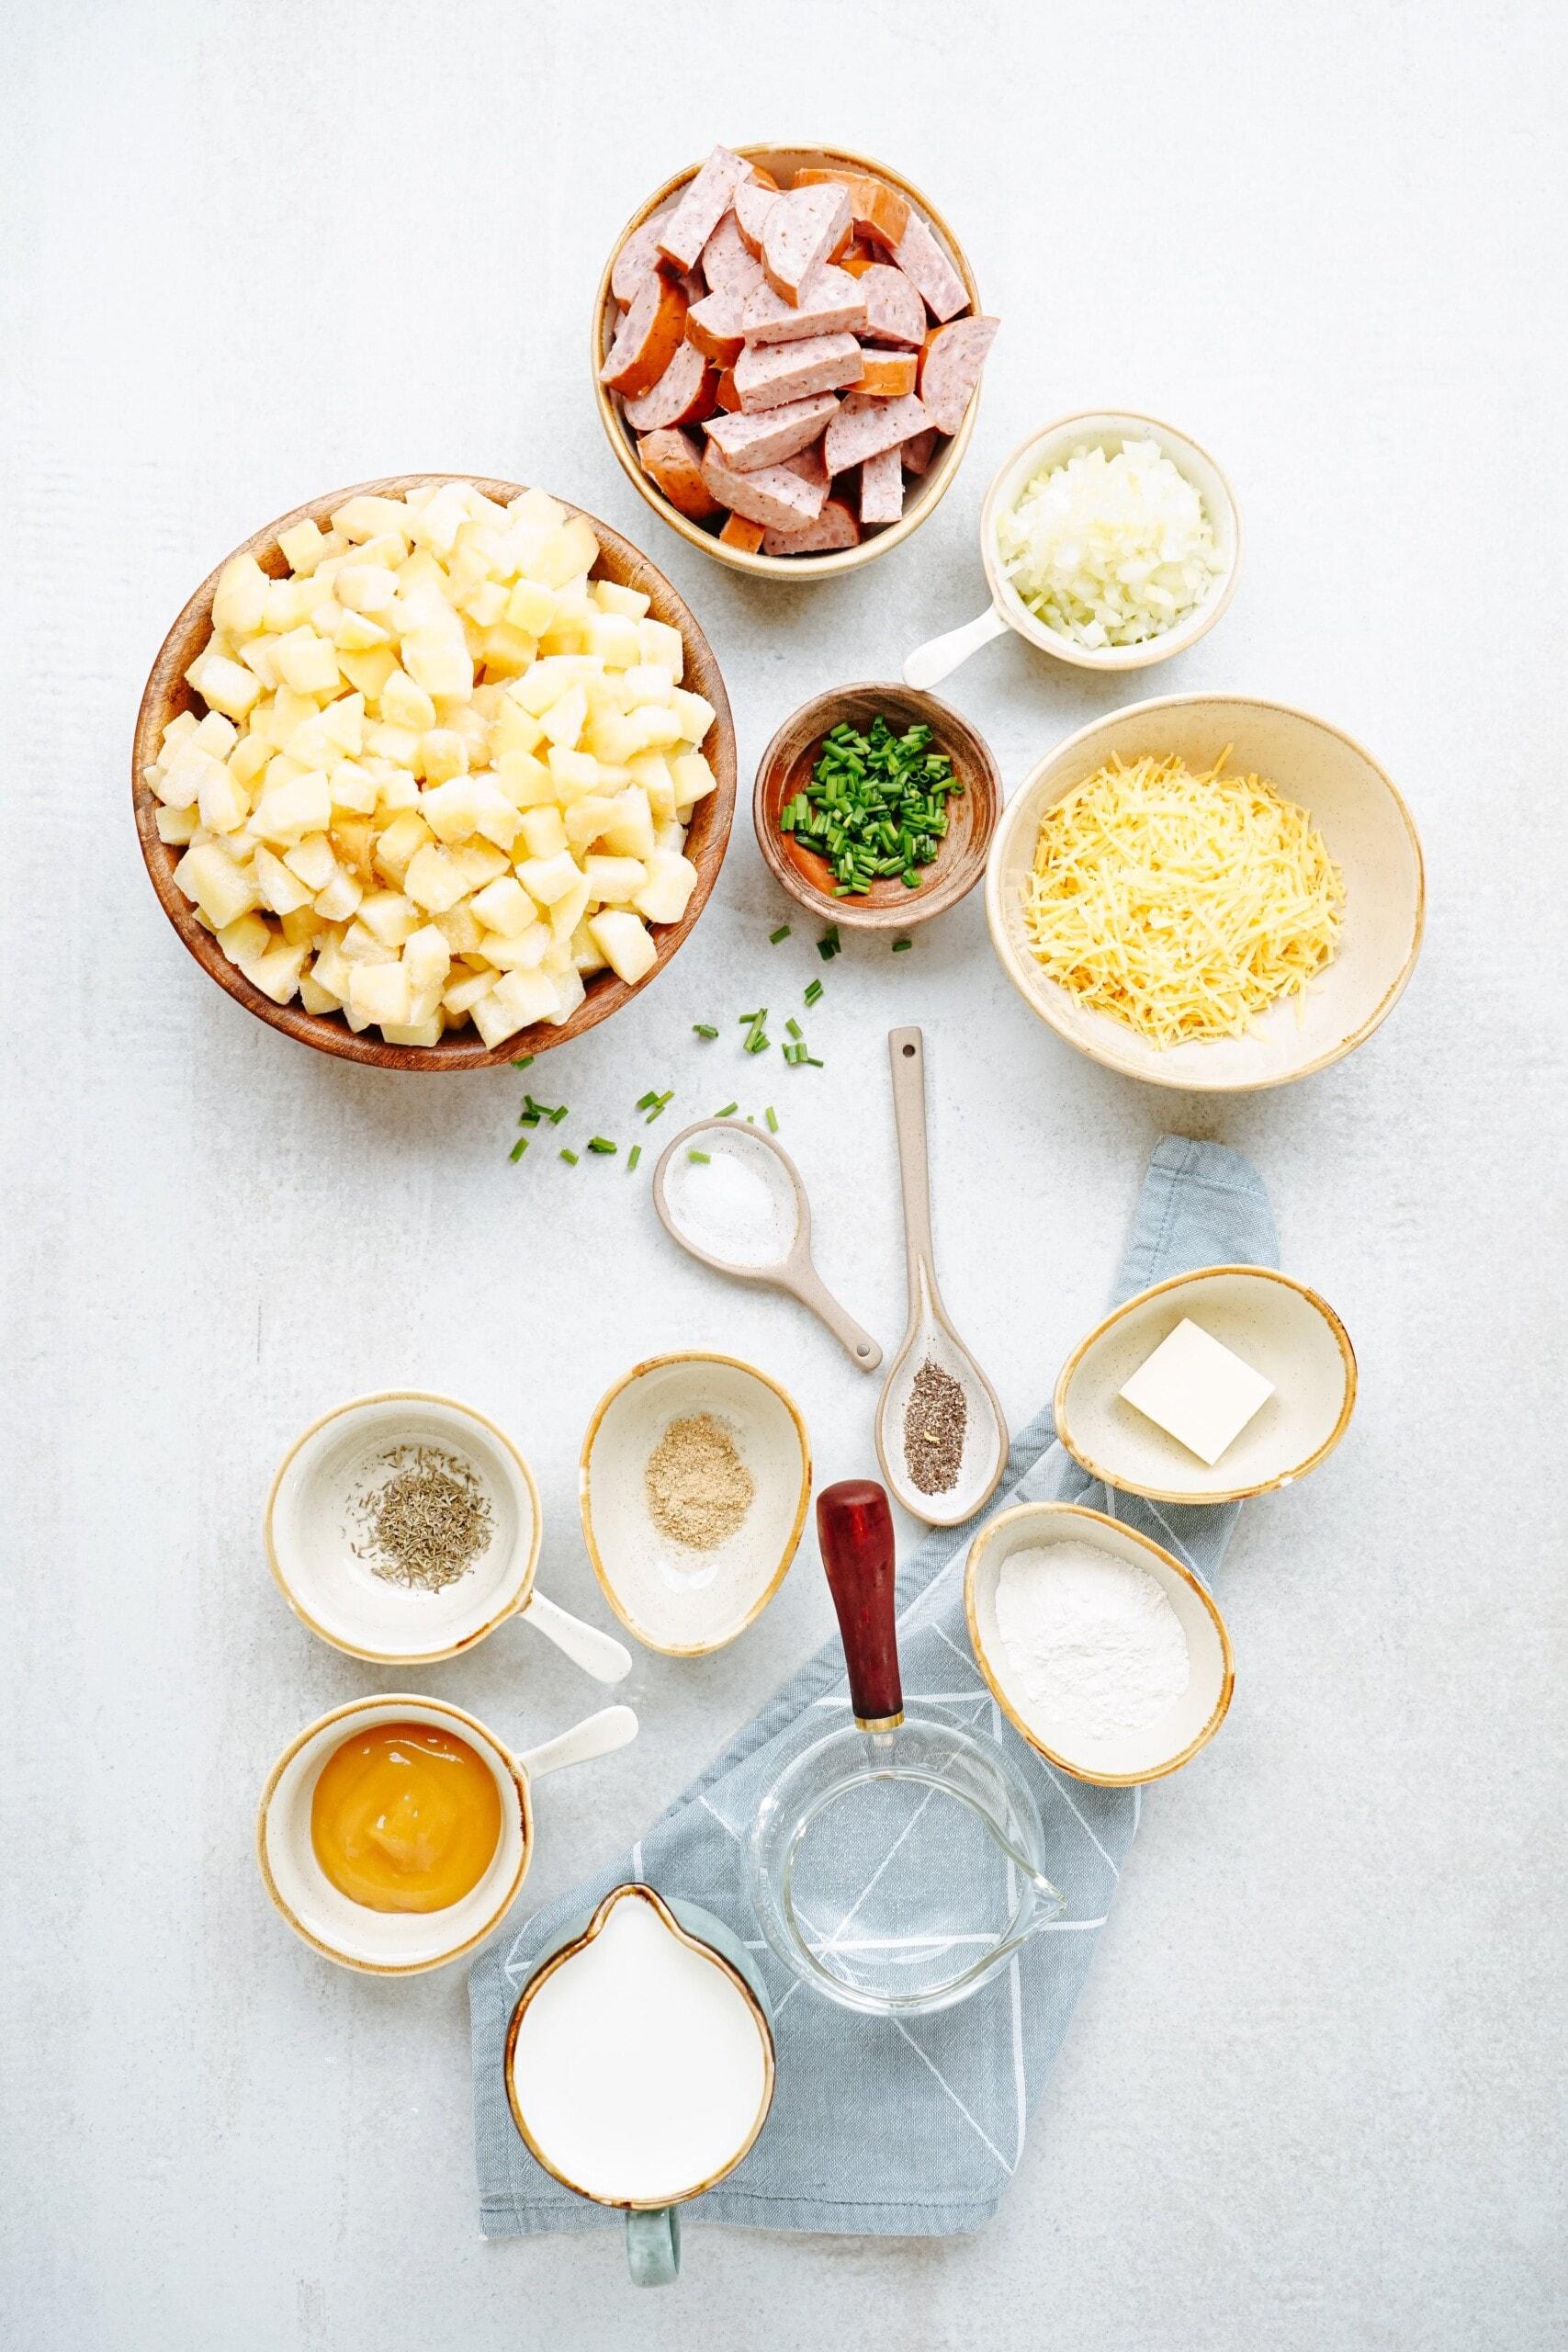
[639, 2067]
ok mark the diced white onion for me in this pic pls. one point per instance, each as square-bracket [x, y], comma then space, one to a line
[1110, 550]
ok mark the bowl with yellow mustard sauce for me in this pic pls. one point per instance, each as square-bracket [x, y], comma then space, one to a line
[1210, 892]
[395, 1833]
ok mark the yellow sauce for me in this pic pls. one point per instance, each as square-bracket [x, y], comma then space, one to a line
[405, 1817]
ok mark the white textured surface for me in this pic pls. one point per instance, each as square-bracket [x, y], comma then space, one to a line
[251, 251]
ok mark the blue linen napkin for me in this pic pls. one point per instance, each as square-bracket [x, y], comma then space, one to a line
[913, 2126]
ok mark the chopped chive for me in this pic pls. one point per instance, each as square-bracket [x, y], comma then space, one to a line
[703, 1029]
[757, 1043]
[555, 1116]
[810, 1061]
[774, 936]
[633, 1157]
[660, 1102]
[524, 1061]
[795, 1029]
[901, 946]
[518, 1149]
[728, 1111]
[771, 1119]
[747, 1018]
[702, 1158]
[602, 1145]
[814, 992]
[570, 1158]
[644, 1099]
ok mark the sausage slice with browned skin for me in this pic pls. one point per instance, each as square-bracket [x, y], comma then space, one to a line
[753, 202]
[886, 374]
[920, 256]
[831, 303]
[739, 533]
[671, 460]
[703, 206]
[647, 337]
[772, 434]
[803, 228]
[779, 497]
[949, 369]
[864, 427]
[876, 210]
[834, 528]
[715, 327]
[638, 256]
[768, 375]
[893, 310]
[684, 394]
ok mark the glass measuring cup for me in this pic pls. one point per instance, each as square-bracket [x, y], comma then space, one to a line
[894, 1865]
[732, 1197]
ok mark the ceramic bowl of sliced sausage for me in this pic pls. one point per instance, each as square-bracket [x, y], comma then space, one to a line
[787, 351]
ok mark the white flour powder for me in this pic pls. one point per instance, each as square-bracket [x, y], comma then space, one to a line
[1091, 1643]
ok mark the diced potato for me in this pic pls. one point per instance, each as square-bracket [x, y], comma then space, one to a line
[223, 891]
[586, 958]
[358, 945]
[630, 833]
[625, 943]
[523, 953]
[244, 940]
[355, 633]
[463, 993]
[312, 861]
[303, 546]
[485, 602]
[670, 882]
[497, 1017]
[188, 768]
[362, 517]
[664, 645]
[655, 727]
[587, 819]
[443, 753]
[650, 770]
[503, 905]
[693, 779]
[480, 861]
[648, 682]
[176, 826]
[396, 789]
[331, 970]
[248, 758]
[404, 839]
[287, 812]
[240, 599]
[413, 1033]
[307, 662]
[610, 597]
[228, 686]
[388, 916]
[566, 718]
[380, 992]
[565, 552]
[515, 729]
[531, 607]
[547, 879]
[615, 881]
[216, 735]
[460, 928]
[301, 928]
[435, 880]
[550, 678]
[612, 636]
[569, 993]
[496, 818]
[695, 714]
[439, 661]
[354, 840]
[313, 996]
[404, 704]
[526, 781]
[352, 787]
[569, 911]
[451, 810]
[427, 959]
[276, 973]
[543, 831]
[341, 896]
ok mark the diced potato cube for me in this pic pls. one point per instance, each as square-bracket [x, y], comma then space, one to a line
[652, 771]
[245, 939]
[569, 911]
[380, 992]
[569, 993]
[587, 819]
[613, 737]
[515, 729]
[625, 943]
[460, 928]
[276, 973]
[355, 633]
[693, 779]
[362, 517]
[439, 661]
[497, 1017]
[341, 896]
[574, 773]
[361, 946]
[307, 662]
[312, 861]
[451, 810]
[664, 645]
[615, 881]
[586, 958]
[287, 812]
[612, 636]
[653, 727]
[564, 552]
[404, 704]
[332, 969]
[435, 880]
[438, 522]
[443, 753]
[240, 599]
[396, 789]
[285, 605]
[566, 718]
[543, 831]
[184, 773]
[176, 826]
[504, 905]
[223, 891]
[352, 787]
[480, 861]
[280, 890]
[248, 758]
[649, 682]
[398, 744]
[485, 602]
[413, 1033]
[521, 953]
[526, 781]
[303, 546]
[427, 958]
[370, 671]
[228, 686]
[354, 842]
[404, 839]
[546, 879]
[695, 714]
[388, 916]
[630, 833]
[610, 597]
[216, 734]
[315, 997]
[670, 882]
[465, 992]
[550, 678]
[495, 816]
[531, 607]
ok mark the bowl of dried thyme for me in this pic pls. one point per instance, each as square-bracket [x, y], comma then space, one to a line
[405, 1526]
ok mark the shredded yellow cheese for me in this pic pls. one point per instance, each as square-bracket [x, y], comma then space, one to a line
[1183, 905]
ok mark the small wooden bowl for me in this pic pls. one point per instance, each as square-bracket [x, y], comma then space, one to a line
[786, 766]
[922, 493]
[166, 694]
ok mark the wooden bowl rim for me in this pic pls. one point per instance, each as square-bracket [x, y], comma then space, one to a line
[934, 484]
[918, 906]
[329, 1033]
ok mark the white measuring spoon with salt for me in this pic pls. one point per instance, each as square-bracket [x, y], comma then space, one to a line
[740, 1207]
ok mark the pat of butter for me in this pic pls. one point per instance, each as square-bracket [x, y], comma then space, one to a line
[1197, 1391]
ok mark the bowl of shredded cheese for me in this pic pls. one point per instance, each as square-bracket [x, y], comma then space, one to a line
[1208, 891]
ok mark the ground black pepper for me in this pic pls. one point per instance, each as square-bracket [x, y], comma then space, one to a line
[935, 1421]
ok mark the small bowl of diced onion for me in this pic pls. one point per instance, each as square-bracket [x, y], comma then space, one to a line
[1110, 540]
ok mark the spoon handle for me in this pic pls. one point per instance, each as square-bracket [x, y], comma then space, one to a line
[808, 1286]
[907, 1052]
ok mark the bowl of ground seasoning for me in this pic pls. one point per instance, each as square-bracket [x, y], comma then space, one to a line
[694, 1478]
[404, 1526]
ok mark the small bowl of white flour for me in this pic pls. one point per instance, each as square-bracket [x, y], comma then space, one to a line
[1102, 1650]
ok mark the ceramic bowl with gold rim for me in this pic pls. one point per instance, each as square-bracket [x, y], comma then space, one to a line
[1171, 1738]
[674, 1595]
[923, 493]
[402, 1943]
[323, 1532]
[1367, 830]
[1275, 1324]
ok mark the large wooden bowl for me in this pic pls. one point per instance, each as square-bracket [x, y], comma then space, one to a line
[922, 493]
[787, 764]
[167, 694]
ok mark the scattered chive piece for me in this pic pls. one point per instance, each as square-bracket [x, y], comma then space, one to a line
[570, 1158]
[756, 1043]
[747, 1018]
[899, 946]
[728, 1111]
[633, 1157]
[525, 1061]
[702, 1157]
[644, 1099]
[774, 936]
[602, 1145]
[518, 1149]
[814, 992]
[771, 1119]
[703, 1029]
[795, 1029]
[829, 944]
[660, 1102]
[557, 1115]
[810, 1061]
